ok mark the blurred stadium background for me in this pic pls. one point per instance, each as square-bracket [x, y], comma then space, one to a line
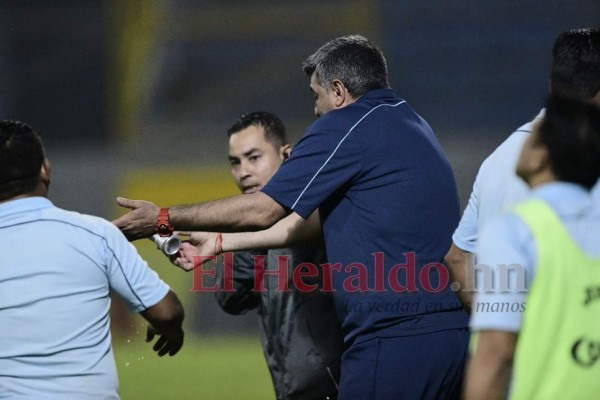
[133, 98]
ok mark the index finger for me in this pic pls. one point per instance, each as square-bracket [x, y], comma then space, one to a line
[127, 203]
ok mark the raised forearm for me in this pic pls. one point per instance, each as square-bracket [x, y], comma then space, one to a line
[287, 232]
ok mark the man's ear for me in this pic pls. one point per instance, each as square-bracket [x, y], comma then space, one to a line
[46, 171]
[285, 151]
[341, 96]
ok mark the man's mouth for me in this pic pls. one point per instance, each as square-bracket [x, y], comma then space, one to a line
[250, 189]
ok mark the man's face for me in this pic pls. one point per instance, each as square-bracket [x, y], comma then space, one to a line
[324, 100]
[532, 155]
[253, 159]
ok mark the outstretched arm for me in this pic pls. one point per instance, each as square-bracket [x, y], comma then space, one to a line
[239, 213]
[289, 231]
[165, 318]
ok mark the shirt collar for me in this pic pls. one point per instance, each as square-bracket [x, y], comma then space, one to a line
[377, 94]
[24, 205]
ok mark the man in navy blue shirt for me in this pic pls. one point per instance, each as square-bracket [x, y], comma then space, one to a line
[388, 204]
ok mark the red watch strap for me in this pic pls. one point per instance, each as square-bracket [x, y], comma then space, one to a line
[219, 244]
[163, 224]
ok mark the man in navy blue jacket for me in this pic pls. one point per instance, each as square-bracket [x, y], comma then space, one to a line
[388, 204]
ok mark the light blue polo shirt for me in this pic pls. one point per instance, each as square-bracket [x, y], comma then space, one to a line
[56, 271]
[496, 188]
[507, 240]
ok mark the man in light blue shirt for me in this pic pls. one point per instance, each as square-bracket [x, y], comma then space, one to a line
[57, 270]
[575, 73]
[560, 161]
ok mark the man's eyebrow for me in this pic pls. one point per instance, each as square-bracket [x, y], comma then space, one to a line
[246, 154]
[249, 152]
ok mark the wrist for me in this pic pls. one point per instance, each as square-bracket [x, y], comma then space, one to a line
[164, 227]
[218, 243]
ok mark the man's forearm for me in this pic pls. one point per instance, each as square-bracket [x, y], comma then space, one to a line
[490, 369]
[240, 213]
[289, 231]
[245, 212]
[458, 262]
[166, 318]
[167, 314]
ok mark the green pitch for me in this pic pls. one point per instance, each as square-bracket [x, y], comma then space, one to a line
[205, 368]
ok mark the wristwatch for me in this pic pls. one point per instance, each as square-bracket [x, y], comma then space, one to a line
[163, 225]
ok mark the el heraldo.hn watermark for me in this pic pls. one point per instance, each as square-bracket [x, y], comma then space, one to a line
[404, 277]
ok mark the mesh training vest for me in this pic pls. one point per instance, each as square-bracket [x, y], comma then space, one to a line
[558, 350]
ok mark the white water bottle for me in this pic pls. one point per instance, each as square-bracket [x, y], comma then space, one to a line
[169, 245]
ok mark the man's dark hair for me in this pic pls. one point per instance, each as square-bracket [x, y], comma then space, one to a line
[21, 158]
[353, 60]
[576, 64]
[571, 132]
[274, 129]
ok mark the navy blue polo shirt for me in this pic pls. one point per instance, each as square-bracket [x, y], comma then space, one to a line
[388, 204]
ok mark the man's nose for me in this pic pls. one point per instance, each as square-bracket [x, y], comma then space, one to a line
[245, 170]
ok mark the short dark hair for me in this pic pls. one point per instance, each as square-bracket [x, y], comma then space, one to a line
[576, 64]
[352, 59]
[570, 130]
[21, 158]
[274, 129]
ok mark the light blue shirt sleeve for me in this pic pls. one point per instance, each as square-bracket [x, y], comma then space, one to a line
[465, 235]
[506, 264]
[129, 275]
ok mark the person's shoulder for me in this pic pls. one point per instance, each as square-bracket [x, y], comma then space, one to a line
[512, 145]
[90, 223]
[497, 173]
[508, 151]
